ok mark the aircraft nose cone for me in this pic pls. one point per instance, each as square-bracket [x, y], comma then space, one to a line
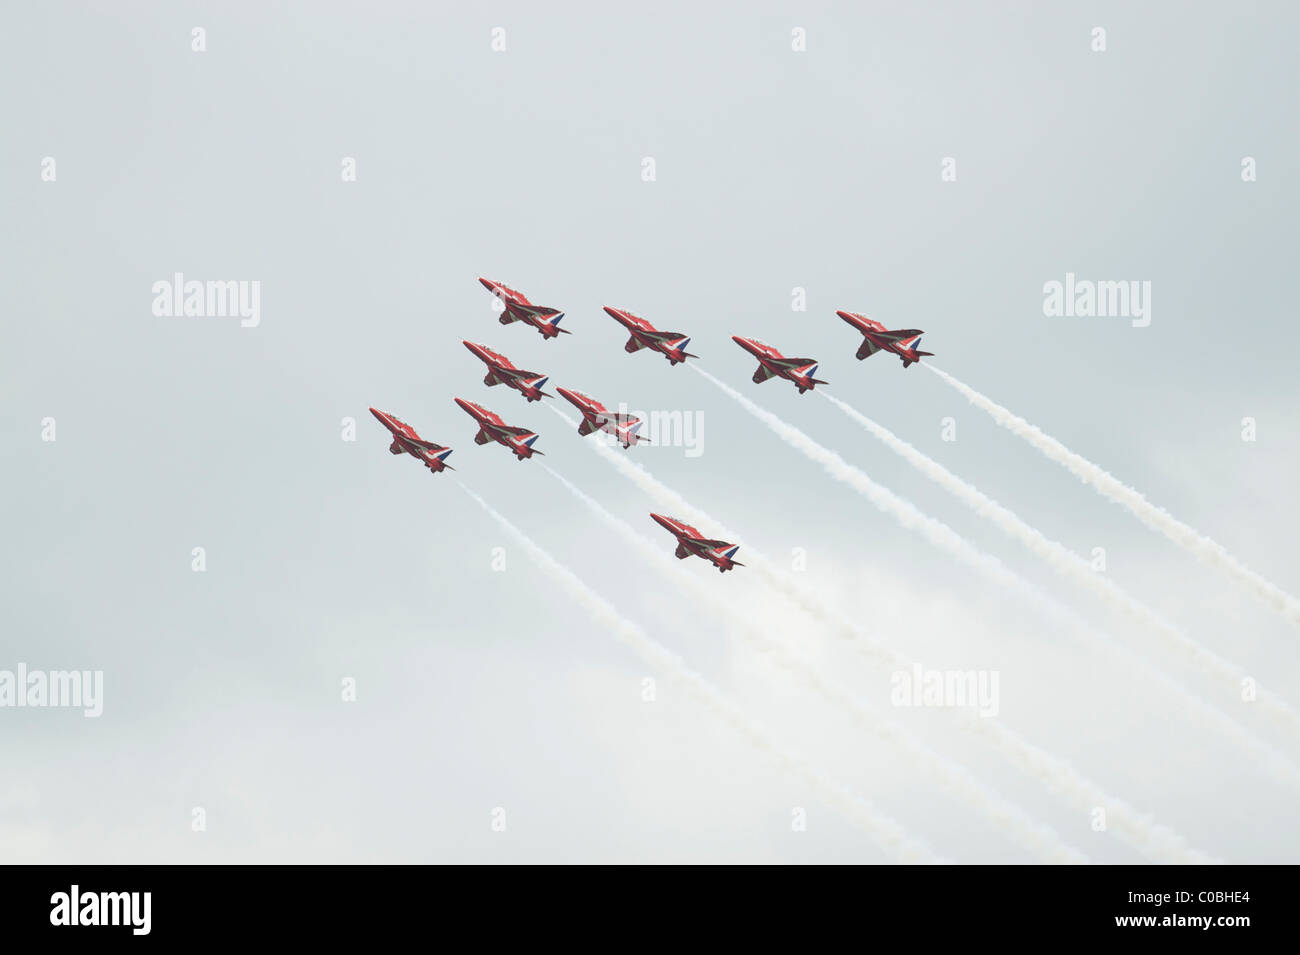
[738, 340]
[610, 311]
[486, 283]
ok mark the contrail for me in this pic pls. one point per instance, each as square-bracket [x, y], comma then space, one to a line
[1115, 490]
[1034, 836]
[1069, 564]
[887, 833]
[1137, 829]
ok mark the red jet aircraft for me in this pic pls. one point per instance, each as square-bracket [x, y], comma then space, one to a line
[501, 369]
[690, 541]
[672, 345]
[596, 417]
[518, 309]
[772, 364]
[903, 342]
[492, 428]
[406, 441]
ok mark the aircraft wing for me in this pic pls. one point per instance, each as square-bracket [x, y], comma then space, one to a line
[867, 349]
[426, 445]
[586, 427]
[634, 344]
[515, 431]
[763, 373]
[662, 336]
[799, 364]
[683, 551]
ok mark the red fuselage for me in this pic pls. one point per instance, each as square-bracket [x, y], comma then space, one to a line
[517, 308]
[903, 342]
[596, 417]
[407, 441]
[672, 345]
[691, 542]
[502, 371]
[492, 428]
[772, 364]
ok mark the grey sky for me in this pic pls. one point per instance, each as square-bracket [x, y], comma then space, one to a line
[775, 170]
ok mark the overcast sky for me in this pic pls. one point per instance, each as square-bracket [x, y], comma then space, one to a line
[775, 169]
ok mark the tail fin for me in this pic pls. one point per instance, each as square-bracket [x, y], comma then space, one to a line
[813, 382]
[629, 432]
[553, 322]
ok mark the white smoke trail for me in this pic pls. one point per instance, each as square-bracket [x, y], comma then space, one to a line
[935, 531]
[887, 833]
[1069, 564]
[1137, 829]
[1034, 836]
[1115, 490]
[679, 507]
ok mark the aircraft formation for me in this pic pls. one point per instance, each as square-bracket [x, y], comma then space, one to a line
[801, 372]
